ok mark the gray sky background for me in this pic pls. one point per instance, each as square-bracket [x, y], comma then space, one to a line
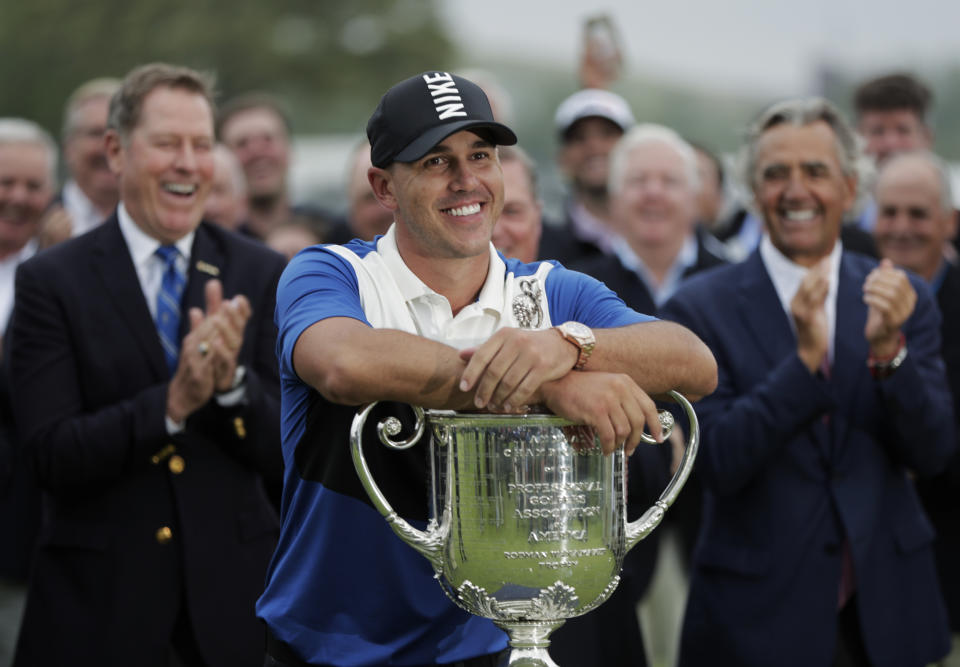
[764, 46]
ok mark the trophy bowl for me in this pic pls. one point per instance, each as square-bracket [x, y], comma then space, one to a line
[528, 523]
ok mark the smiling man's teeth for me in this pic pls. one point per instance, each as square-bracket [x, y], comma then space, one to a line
[470, 209]
[800, 216]
[180, 188]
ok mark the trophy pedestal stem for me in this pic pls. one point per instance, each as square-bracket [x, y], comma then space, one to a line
[528, 643]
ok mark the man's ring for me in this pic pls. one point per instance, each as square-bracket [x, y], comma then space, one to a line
[203, 348]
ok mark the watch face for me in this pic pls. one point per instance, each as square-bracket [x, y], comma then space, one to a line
[577, 329]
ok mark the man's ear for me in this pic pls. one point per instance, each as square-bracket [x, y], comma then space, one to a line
[114, 149]
[851, 181]
[381, 181]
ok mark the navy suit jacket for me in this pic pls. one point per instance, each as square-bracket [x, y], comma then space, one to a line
[90, 398]
[784, 485]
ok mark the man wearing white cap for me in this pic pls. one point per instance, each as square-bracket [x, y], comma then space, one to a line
[589, 123]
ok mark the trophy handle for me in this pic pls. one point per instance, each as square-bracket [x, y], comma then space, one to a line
[429, 542]
[639, 529]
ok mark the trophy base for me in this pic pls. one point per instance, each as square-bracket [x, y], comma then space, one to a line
[528, 643]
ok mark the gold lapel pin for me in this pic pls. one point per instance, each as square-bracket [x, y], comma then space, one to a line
[207, 268]
[240, 427]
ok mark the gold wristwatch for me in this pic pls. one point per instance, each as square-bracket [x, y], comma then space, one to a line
[580, 335]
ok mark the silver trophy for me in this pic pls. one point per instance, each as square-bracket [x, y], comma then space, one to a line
[528, 519]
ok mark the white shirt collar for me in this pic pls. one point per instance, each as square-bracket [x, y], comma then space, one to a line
[787, 275]
[143, 246]
[412, 288]
[430, 312]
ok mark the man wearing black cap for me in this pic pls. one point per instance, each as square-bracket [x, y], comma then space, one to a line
[431, 315]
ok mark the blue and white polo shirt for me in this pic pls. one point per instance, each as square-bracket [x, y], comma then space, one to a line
[342, 589]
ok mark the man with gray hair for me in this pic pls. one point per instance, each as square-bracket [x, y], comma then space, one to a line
[915, 224]
[653, 203]
[28, 162]
[813, 548]
[90, 193]
[28, 166]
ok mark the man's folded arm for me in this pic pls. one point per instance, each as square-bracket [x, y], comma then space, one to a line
[351, 363]
[660, 356]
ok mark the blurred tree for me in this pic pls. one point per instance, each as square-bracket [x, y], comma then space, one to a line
[330, 60]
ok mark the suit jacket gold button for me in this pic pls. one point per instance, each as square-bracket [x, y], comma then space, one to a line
[164, 534]
[176, 464]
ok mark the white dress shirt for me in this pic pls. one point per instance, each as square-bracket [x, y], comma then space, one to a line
[149, 265]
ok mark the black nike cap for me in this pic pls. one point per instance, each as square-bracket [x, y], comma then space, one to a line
[417, 114]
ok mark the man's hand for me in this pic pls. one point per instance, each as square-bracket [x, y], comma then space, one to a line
[55, 226]
[193, 383]
[890, 300]
[513, 364]
[208, 354]
[612, 403]
[810, 316]
[228, 320]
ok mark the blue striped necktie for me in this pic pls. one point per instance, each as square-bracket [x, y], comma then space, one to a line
[168, 304]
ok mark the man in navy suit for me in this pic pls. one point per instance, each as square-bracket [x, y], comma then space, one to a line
[148, 404]
[814, 549]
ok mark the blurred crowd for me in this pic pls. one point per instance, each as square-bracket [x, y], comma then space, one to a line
[648, 212]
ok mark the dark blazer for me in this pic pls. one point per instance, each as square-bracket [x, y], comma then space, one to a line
[941, 494]
[90, 400]
[792, 462]
[629, 286]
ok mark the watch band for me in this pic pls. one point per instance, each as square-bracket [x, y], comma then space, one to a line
[884, 368]
[580, 335]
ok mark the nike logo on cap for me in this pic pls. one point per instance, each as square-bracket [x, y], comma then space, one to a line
[446, 97]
